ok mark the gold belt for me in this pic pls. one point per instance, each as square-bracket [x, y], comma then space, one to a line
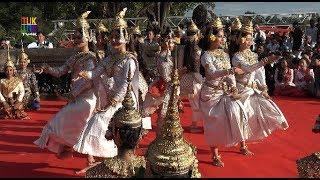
[223, 87]
[250, 85]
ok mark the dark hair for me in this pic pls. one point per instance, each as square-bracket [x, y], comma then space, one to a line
[316, 56]
[190, 56]
[205, 42]
[235, 48]
[129, 137]
[40, 32]
[281, 70]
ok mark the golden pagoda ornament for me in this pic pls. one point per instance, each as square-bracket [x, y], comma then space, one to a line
[118, 166]
[170, 155]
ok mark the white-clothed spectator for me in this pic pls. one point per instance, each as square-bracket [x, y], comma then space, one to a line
[41, 42]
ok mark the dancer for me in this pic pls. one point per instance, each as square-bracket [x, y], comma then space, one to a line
[263, 114]
[62, 132]
[191, 81]
[159, 91]
[12, 93]
[115, 69]
[225, 122]
[31, 97]
[125, 128]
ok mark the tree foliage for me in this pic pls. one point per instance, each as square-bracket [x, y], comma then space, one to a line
[11, 12]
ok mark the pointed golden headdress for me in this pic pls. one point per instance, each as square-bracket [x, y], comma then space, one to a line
[192, 28]
[9, 62]
[119, 22]
[236, 24]
[217, 23]
[101, 28]
[127, 114]
[23, 55]
[170, 154]
[83, 24]
[247, 26]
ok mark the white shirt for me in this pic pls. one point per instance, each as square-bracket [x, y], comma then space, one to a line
[38, 45]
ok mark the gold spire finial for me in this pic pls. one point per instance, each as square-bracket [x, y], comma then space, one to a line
[217, 23]
[170, 154]
[247, 26]
[236, 24]
[127, 114]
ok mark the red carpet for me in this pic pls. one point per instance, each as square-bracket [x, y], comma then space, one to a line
[274, 157]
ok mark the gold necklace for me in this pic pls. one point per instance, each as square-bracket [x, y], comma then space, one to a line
[223, 60]
[249, 56]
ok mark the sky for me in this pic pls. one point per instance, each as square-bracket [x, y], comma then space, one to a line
[237, 8]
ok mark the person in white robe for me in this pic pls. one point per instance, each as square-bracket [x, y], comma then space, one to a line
[225, 121]
[63, 130]
[264, 115]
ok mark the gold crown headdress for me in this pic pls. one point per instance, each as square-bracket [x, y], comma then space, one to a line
[83, 24]
[9, 62]
[247, 26]
[23, 55]
[170, 154]
[236, 24]
[217, 23]
[127, 114]
[192, 28]
[136, 30]
[119, 22]
[101, 27]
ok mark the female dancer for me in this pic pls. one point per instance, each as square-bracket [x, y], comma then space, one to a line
[62, 132]
[263, 114]
[225, 122]
[115, 69]
[191, 81]
[159, 91]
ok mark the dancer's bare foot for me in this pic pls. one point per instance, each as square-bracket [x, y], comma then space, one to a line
[90, 160]
[284, 125]
[245, 151]
[216, 161]
[84, 170]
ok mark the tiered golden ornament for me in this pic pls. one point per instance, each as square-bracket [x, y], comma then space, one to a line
[170, 155]
[309, 167]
